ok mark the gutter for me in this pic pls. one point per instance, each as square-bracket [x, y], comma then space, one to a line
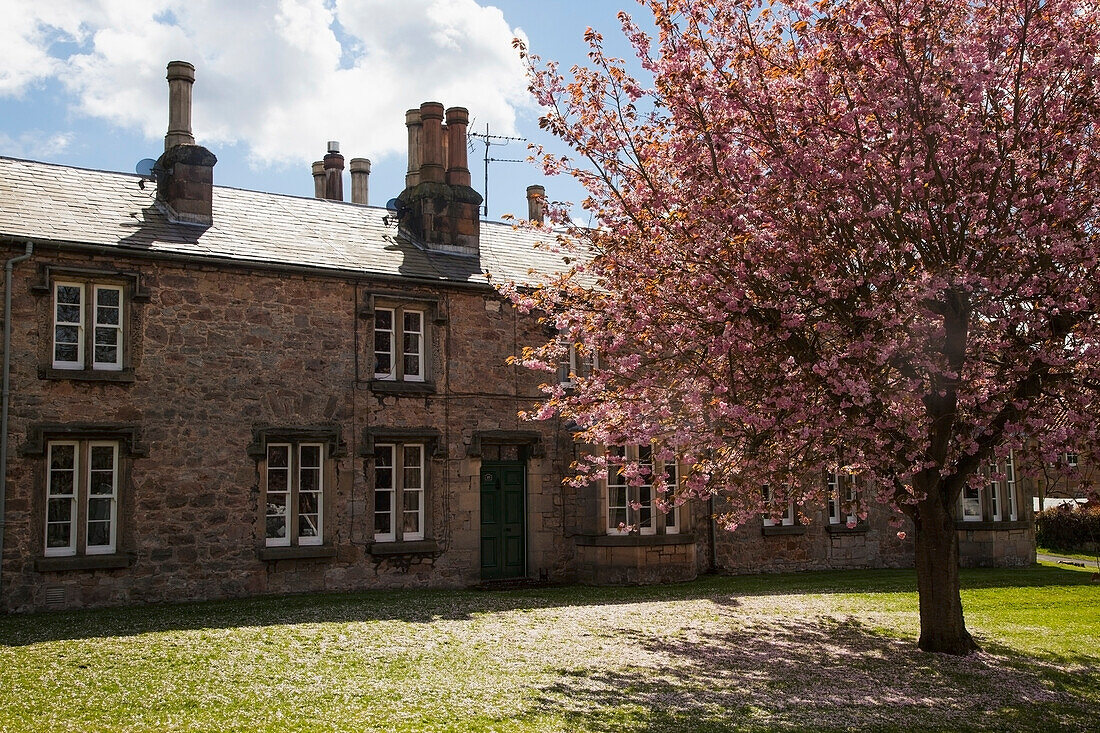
[8, 267]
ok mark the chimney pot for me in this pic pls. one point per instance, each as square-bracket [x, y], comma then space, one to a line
[360, 179]
[431, 143]
[536, 204]
[181, 77]
[458, 171]
[334, 172]
[412, 121]
[318, 179]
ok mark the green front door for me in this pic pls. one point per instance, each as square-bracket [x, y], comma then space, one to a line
[503, 536]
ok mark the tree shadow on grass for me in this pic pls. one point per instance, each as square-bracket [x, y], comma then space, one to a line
[427, 606]
[821, 674]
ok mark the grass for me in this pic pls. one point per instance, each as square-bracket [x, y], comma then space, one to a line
[806, 651]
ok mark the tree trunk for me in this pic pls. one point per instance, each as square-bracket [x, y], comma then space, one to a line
[942, 628]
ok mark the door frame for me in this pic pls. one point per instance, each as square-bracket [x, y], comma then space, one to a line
[522, 464]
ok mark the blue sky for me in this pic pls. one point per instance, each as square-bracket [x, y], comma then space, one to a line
[82, 83]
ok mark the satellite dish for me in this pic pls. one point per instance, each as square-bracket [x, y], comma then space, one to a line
[397, 210]
[144, 167]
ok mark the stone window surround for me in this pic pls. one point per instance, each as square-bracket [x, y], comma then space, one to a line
[434, 450]
[130, 447]
[334, 448]
[134, 295]
[435, 317]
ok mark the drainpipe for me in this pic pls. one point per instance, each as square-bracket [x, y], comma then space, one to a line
[8, 266]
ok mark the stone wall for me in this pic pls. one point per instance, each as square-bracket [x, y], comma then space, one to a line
[813, 545]
[636, 560]
[215, 352]
[997, 544]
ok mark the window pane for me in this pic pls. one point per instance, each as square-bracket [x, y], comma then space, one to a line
[108, 297]
[308, 525]
[382, 523]
[107, 316]
[308, 503]
[62, 456]
[68, 313]
[383, 319]
[309, 479]
[103, 457]
[413, 319]
[99, 509]
[106, 336]
[59, 510]
[411, 366]
[106, 354]
[278, 456]
[69, 293]
[99, 534]
[66, 335]
[311, 456]
[57, 535]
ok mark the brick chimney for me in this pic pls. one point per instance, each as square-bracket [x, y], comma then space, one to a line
[318, 179]
[536, 204]
[443, 210]
[334, 172]
[185, 181]
[360, 180]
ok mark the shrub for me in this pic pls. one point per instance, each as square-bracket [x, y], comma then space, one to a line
[1069, 527]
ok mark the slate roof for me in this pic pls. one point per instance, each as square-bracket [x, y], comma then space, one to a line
[48, 202]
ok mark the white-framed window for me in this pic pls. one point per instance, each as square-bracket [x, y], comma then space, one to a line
[82, 480]
[399, 492]
[575, 363]
[88, 326]
[786, 519]
[399, 343]
[294, 491]
[634, 507]
[842, 497]
[1070, 459]
[971, 503]
[1002, 489]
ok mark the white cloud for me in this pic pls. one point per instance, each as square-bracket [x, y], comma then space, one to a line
[279, 76]
[35, 144]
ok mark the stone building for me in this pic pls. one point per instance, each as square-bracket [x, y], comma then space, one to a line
[219, 393]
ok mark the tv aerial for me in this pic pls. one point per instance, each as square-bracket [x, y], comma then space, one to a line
[147, 169]
[492, 141]
[397, 210]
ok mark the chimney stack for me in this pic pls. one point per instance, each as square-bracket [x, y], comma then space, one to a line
[360, 180]
[458, 172]
[431, 143]
[318, 179]
[443, 210]
[334, 172]
[412, 121]
[536, 204]
[181, 77]
[185, 183]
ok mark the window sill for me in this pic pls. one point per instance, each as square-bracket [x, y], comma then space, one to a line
[785, 529]
[302, 552]
[860, 528]
[124, 376]
[417, 547]
[83, 562]
[1018, 524]
[634, 540]
[395, 386]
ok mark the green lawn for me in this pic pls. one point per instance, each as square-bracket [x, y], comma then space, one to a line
[808, 651]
